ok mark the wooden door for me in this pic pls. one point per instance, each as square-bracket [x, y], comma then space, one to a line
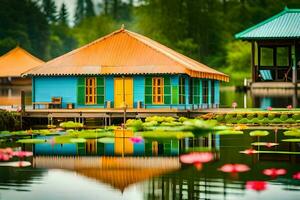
[123, 86]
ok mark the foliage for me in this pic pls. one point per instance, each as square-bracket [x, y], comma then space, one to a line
[89, 134]
[31, 141]
[71, 124]
[229, 132]
[292, 132]
[259, 133]
[271, 116]
[8, 121]
[164, 134]
[106, 140]
[284, 117]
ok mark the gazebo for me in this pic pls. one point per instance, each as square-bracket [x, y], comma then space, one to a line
[275, 50]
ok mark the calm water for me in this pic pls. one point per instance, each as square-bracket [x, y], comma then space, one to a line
[152, 170]
[10, 97]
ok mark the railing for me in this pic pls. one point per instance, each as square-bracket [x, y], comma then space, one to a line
[279, 73]
[182, 106]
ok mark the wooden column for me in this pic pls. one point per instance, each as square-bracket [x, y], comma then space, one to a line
[294, 64]
[253, 61]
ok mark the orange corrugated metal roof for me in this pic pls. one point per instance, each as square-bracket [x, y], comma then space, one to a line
[17, 61]
[125, 52]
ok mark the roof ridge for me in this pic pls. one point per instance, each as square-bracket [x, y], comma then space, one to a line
[18, 48]
[188, 61]
[286, 10]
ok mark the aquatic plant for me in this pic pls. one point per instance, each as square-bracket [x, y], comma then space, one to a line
[71, 124]
[267, 144]
[135, 124]
[31, 141]
[292, 132]
[89, 134]
[256, 185]
[234, 168]
[229, 132]
[273, 172]
[291, 140]
[259, 133]
[197, 158]
[249, 151]
[165, 134]
[106, 140]
[137, 139]
[296, 176]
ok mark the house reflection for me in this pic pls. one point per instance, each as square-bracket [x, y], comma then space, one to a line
[123, 146]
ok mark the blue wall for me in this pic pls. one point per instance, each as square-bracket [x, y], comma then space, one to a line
[43, 88]
[109, 92]
[47, 87]
[138, 90]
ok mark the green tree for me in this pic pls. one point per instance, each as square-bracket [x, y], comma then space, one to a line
[79, 11]
[26, 26]
[50, 10]
[89, 8]
[63, 15]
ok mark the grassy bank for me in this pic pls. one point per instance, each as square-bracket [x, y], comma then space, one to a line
[9, 120]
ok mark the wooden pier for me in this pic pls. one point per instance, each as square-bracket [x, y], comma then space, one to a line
[107, 115]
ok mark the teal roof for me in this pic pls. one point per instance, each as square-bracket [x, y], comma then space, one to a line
[284, 25]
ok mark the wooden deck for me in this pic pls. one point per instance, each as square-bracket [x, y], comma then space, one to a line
[272, 85]
[79, 115]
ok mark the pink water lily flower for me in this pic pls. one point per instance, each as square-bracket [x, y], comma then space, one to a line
[271, 144]
[234, 168]
[137, 139]
[289, 107]
[269, 108]
[296, 176]
[197, 158]
[273, 172]
[22, 154]
[256, 185]
[6, 154]
[249, 151]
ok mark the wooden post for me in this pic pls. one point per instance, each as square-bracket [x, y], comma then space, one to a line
[294, 65]
[253, 61]
[22, 101]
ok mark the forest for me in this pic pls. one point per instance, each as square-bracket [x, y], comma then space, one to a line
[201, 29]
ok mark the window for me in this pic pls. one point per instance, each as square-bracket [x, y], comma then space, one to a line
[158, 90]
[205, 91]
[266, 57]
[196, 91]
[282, 57]
[90, 91]
[212, 91]
[181, 90]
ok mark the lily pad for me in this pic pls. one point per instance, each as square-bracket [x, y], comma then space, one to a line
[291, 140]
[107, 140]
[293, 132]
[229, 132]
[77, 140]
[267, 144]
[31, 141]
[165, 134]
[259, 133]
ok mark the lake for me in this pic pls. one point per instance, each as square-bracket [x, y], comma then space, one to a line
[153, 169]
[10, 97]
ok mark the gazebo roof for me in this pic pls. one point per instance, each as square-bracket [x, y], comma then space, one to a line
[284, 25]
[17, 61]
[125, 52]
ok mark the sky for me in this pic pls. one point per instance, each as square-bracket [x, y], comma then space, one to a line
[71, 5]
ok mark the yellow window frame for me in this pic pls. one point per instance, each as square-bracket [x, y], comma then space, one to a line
[158, 90]
[90, 90]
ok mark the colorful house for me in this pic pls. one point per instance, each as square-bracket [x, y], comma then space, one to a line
[16, 62]
[126, 68]
[275, 49]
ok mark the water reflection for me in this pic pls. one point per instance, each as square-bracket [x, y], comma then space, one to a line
[152, 169]
[10, 96]
[260, 98]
